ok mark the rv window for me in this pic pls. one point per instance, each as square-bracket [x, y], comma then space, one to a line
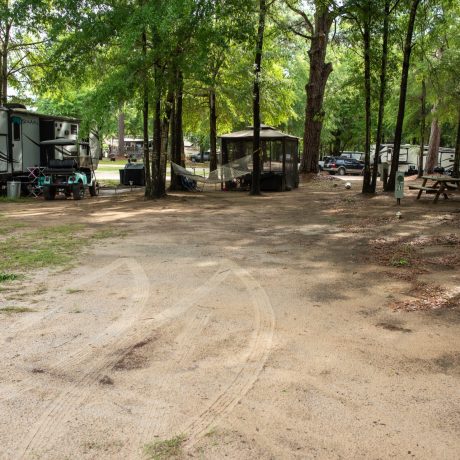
[73, 129]
[16, 131]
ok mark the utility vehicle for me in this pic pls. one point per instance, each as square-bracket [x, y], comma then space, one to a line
[72, 174]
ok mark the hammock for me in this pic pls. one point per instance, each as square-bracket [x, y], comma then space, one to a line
[180, 171]
[224, 173]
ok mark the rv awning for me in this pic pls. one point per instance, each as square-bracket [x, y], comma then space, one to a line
[63, 142]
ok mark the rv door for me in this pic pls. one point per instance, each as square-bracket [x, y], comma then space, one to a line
[16, 141]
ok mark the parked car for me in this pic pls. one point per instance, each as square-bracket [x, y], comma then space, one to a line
[353, 155]
[343, 166]
[322, 162]
[201, 157]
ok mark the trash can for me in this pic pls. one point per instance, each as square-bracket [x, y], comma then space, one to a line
[13, 189]
[133, 174]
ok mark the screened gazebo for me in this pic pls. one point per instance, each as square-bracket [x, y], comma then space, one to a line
[279, 156]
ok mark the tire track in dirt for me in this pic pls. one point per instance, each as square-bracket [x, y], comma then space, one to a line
[141, 289]
[83, 281]
[52, 422]
[185, 347]
[251, 367]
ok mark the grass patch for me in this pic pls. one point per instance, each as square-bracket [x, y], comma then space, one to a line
[13, 310]
[106, 233]
[10, 226]
[109, 182]
[167, 449]
[8, 277]
[74, 291]
[402, 256]
[54, 246]
[402, 262]
[107, 161]
[47, 247]
[108, 167]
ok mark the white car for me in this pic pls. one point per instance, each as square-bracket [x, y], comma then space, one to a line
[322, 161]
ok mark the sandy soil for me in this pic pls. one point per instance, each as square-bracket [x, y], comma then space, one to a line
[283, 326]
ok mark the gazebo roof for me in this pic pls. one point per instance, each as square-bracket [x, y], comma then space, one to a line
[266, 132]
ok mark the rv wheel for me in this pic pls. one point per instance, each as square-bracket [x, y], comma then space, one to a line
[78, 191]
[94, 189]
[49, 193]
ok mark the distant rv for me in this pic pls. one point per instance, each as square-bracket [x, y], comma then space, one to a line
[409, 157]
[21, 135]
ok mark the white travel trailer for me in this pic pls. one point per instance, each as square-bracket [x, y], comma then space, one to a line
[409, 157]
[22, 134]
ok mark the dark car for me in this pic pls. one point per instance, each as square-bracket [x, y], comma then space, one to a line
[201, 157]
[343, 166]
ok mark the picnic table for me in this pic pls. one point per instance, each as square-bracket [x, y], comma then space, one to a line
[439, 185]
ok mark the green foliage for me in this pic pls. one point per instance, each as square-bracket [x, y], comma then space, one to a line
[46, 247]
[164, 450]
[90, 61]
[8, 277]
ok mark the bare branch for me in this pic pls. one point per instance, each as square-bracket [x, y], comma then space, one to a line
[15, 46]
[291, 28]
[395, 6]
[27, 66]
[304, 16]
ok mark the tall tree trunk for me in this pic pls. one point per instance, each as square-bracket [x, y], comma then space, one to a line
[176, 147]
[157, 185]
[367, 88]
[318, 76]
[145, 120]
[172, 128]
[166, 123]
[165, 129]
[212, 130]
[121, 131]
[179, 127]
[456, 169]
[433, 146]
[4, 64]
[255, 185]
[422, 128]
[382, 91]
[402, 96]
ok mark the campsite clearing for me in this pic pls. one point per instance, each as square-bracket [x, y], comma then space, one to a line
[307, 324]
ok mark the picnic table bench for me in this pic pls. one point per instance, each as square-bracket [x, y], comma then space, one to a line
[440, 186]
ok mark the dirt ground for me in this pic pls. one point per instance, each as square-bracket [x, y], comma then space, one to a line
[305, 324]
